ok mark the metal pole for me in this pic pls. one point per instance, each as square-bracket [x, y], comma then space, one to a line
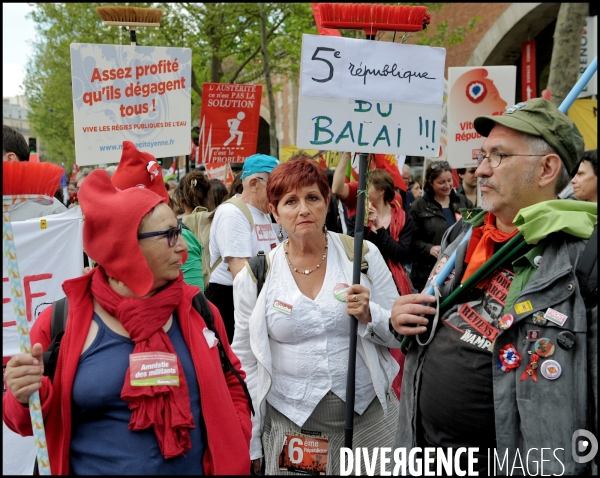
[359, 232]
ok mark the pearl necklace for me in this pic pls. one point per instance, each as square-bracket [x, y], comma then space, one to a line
[307, 271]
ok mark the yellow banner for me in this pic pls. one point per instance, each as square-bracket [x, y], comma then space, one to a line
[584, 113]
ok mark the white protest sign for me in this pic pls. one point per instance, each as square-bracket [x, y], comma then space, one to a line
[18, 453]
[443, 128]
[589, 51]
[133, 93]
[475, 91]
[46, 257]
[338, 67]
[368, 96]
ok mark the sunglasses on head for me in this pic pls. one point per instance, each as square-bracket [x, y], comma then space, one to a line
[171, 233]
[441, 164]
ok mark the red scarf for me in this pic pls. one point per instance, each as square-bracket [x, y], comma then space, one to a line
[482, 244]
[163, 407]
[397, 222]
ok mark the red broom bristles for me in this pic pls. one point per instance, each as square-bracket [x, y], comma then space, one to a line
[373, 17]
[23, 177]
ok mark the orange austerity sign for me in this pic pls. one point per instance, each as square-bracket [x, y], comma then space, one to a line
[229, 122]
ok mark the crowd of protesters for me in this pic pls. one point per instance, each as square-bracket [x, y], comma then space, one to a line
[515, 350]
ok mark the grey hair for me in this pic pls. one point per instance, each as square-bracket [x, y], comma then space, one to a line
[538, 145]
[83, 173]
[111, 170]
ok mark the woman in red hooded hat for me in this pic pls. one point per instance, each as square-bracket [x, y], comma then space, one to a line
[138, 387]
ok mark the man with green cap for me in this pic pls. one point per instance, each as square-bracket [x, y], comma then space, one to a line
[512, 367]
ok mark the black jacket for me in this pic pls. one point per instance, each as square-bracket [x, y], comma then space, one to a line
[397, 252]
[429, 225]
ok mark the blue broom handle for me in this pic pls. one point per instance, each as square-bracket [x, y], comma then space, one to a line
[579, 86]
[448, 266]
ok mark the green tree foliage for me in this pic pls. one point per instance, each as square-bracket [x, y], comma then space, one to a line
[225, 39]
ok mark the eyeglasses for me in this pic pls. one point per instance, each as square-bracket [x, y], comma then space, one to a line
[172, 234]
[262, 179]
[441, 164]
[496, 158]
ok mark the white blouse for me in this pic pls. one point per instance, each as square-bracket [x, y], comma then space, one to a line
[309, 345]
[253, 345]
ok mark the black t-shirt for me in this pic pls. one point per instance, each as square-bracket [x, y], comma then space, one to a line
[456, 402]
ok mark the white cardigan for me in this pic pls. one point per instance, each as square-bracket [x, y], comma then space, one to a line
[251, 340]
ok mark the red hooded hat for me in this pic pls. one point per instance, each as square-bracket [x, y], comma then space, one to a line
[110, 228]
[139, 169]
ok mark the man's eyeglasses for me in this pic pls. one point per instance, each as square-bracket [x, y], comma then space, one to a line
[262, 179]
[496, 158]
[441, 164]
[172, 234]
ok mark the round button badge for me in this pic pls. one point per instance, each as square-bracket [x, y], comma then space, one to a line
[538, 318]
[340, 292]
[551, 369]
[537, 260]
[544, 347]
[506, 321]
[566, 340]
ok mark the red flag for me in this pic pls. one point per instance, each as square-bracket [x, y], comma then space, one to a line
[323, 31]
[388, 163]
[322, 162]
[74, 172]
[34, 158]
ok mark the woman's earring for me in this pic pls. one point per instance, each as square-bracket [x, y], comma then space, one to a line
[324, 229]
[280, 235]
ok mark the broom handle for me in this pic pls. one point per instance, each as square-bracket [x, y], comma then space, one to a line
[10, 253]
[359, 232]
[579, 86]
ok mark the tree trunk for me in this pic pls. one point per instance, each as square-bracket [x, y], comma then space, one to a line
[265, 55]
[564, 65]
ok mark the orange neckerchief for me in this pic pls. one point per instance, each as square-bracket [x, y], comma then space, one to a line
[481, 246]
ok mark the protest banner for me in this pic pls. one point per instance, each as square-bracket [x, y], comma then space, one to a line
[220, 171]
[589, 51]
[371, 97]
[475, 91]
[584, 113]
[229, 121]
[443, 152]
[528, 70]
[133, 93]
[49, 251]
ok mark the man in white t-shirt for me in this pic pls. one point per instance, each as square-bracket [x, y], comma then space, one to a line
[233, 240]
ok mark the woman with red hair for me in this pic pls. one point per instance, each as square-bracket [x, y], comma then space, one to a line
[293, 339]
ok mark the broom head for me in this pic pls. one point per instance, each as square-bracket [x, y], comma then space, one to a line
[130, 15]
[372, 17]
[25, 178]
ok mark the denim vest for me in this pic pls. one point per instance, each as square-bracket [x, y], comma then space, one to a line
[528, 414]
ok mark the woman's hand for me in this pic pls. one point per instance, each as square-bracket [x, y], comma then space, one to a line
[357, 302]
[23, 374]
[374, 218]
[256, 467]
[435, 251]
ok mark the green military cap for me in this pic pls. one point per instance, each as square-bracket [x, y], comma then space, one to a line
[539, 117]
